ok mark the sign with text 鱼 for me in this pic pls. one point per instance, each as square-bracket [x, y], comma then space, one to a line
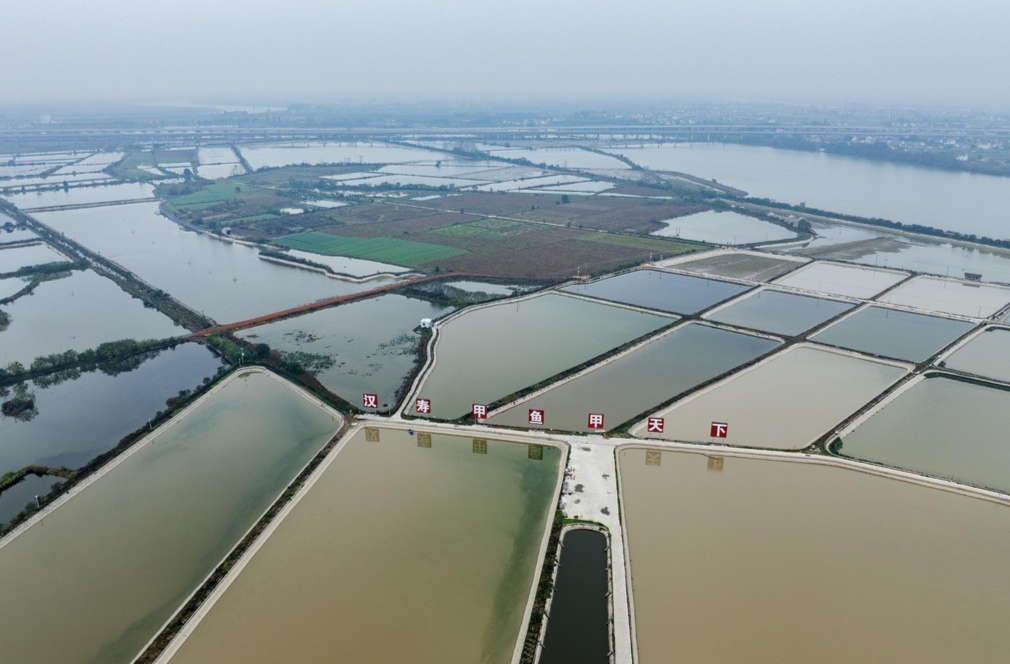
[370, 400]
[595, 421]
[479, 411]
[719, 430]
[423, 406]
[536, 416]
[655, 425]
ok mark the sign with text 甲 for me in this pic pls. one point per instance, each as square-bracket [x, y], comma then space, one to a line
[479, 411]
[719, 430]
[595, 420]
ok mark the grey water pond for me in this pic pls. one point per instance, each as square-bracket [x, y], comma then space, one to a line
[664, 291]
[778, 312]
[902, 335]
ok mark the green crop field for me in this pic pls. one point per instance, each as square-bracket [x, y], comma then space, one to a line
[209, 195]
[489, 228]
[381, 249]
[657, 245]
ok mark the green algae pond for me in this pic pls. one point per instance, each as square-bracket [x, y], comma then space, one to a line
[486, 354]
[641, 379]
[96, 577]
[735, 559]
[402, 547]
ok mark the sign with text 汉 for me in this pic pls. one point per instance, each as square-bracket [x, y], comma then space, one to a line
[719, 430]
[370, 400]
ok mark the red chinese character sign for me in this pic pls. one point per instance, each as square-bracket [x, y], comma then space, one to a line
[370, 400]
[655, 425]
[423, 406]
[479, 411]
[536, 416]
[596, 420]
[719, 430]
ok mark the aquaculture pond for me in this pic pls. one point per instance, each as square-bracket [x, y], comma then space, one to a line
[274, 156]
[724, 228]
[778, 312]
[747, 266]
[79, 415]
[785, 402]
[664, 291]
[452, 565]
[486, 354]
[949, 296]
[228, 282]
[12, 286]
[81, 195]
[367, 346]
[877, 557]
[840, 279]
[987, 354]
[77, 312]
[638, 381]
[939, 426]
[13, 259]
[132, 545]
[902, 335]
[16, 498]
[578, 627]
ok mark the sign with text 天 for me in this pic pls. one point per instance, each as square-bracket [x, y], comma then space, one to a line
[655, 425]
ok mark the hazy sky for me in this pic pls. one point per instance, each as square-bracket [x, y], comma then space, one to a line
[312, 50]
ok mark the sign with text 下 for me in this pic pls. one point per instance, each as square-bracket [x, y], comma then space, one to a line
[423, 406]
[595, 421]
[719, 430]
[536, 416]
[479, 411]
[370, 400]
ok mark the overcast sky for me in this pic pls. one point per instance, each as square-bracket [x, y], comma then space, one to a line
[955, 53]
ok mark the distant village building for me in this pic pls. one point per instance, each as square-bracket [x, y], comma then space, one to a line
[973, 276]
[426, 323]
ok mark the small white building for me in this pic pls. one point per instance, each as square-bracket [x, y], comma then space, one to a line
[426, 323]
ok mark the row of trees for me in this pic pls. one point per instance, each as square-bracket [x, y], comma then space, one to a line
[111, 351]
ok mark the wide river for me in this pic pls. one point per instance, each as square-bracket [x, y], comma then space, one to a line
[962, 202]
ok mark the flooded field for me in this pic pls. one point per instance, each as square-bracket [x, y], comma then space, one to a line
[81, 195]
[370, 346]
[544, 180]
[987, 354]
[663, 291]
[564, 157]
[875, 556]
[778, 312]
[215, 171]
[13, 259]
[641, 380]
[736, 265]
[482, 287]
[354, 267]
[786, 402]
[77, 313]
[578, 627]
[908, 194]
[334, 153]
[949, 296]
[136, 542]
[487, 354]
[225, 281]
[83, 415]
[843, 280]
[724, 228]
[884, 248]
[892, 333]
[942, 427]
[11, 235]
[451, 567]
